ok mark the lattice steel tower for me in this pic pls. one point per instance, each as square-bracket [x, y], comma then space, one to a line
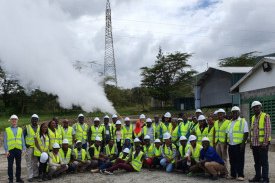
[109, 58]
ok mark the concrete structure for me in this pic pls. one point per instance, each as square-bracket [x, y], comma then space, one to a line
[258, 84]
[213, 86]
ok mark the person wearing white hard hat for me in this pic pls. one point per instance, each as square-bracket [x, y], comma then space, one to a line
[123, 157]
[54, 135]
[43, 159]
[81, 129]
[56, 168]
[107, 130]
[202, 129]
[221, 125]
[41, 141]
[111, 153]
[181, 162]
[198, 113]
[169, 152]
[157, 153]
[157, 125]
[96, 130]
[174, 131]
[236, 137]
[96, 155]
[210, 161]
[149, 151]
[68, 132]
[29, 134]
[128, 129]
[260, 138]
[149, 130]
[66, 155]
[14, 148]
[211, 130]
[165, 124]
[80, 157]
[118, 135]
[114, 119]
[185, 125]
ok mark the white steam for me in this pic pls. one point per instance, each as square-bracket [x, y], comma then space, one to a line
[37, 45]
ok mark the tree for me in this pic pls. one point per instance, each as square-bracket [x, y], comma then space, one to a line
[244, 60]
[169, 73]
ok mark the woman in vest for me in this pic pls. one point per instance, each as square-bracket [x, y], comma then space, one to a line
[54, 135]
[181, 163]
[157, 156]
[118, 136]
[123, 156]
[42, 145]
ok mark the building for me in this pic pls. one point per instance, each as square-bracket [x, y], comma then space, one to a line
[213, 86]
[258, 84]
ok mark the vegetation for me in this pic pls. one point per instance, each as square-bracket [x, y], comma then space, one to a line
[244, 60]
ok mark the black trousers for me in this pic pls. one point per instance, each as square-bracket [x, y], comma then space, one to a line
[261, 162]
[14, 154]
[236, 159]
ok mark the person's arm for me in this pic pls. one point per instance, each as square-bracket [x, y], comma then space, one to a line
[73, 137]
[89, 135]
[36, 144]
[23, 143]
[245, 136]
[267, 130]
[6, 144]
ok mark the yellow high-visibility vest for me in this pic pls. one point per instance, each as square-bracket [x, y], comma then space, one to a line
[182, 153]
[55, 158]
[96, 132]
[44, 146]
[149, 151]
[261, 126]
[200, 134]
[128, 133]
[54, 137]
[221, 131]
[14, 141]
[174, 133]
[145, 131]
[195, 153]
[83, 154]
[31, 135]
[157, 151]
[81, 133]
[68, 134]
[169, 152]
[121, 156]
[137, 162]
[66, 158]
[238, 131]
[96, 151]
[184, 128]
[210, 136]
[111, 151]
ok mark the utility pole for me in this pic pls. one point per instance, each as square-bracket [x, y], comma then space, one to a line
[109, 57]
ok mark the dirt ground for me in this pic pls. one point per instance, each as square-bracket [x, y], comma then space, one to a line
[145, 176]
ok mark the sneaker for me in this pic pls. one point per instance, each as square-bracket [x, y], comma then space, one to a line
[108, 172]
[240, 178]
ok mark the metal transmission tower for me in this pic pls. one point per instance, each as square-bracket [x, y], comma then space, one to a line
[109, 58]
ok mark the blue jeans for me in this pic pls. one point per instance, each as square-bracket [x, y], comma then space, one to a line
[168, 166]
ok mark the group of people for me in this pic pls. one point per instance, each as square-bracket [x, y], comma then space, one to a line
[197, 145]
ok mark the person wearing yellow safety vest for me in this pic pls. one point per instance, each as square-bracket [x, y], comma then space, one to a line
[156, 124]
[201, 130]
[148, 151]
[165, 125]
[118, 136]
[113, 124]
[169, 152]
[94, 131]
[42, 144]
[149, 130]
[211, 131]
[157, 155]
[81, 130]
[193, 155]
[68, 132]
[56, 168]
[123, 156]
[128, 130]
[133, 164]
[174, 131]
[29, 134]
[54, 135]
[96, 155]
[236, 136]
[58, 126]
[14, 144]
[260, 140]
[184, 126]
[181, 162]
[66, 156]
[107, 130]
[80, 157]
[220, 127]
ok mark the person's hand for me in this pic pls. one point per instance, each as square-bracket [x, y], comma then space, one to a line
[7, 154]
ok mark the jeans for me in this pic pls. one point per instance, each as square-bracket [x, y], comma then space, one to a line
[261, 162]
[236, 159]
[168, 166]
[14, 154]
[104, 165]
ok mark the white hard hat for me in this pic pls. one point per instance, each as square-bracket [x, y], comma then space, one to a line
[166, 136]
[79, 141]
[106, 117]
[198, 110]
[147, 137]
[255, 103]
[96, 119]
[65, 141]
[235, 108]
[126, 150]
[192, 137]
[14, 117]
[43, 157]
[127, 119]
[180, 119]
[205, 139]
[157, 141]
[216, 112]
[148, 120]
[80, 115]
[118, 122]
[201, 117]
[183, 138]
[97, 138]
[136, 140]
[56, 146]
[142, 116]
[221, 111]
[114, 116]
[35, 116]
[167, 115]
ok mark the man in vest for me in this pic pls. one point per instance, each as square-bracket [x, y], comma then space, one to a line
[107, 130]
[149, 151]
[149, 130]
[157, 153]
[156, 124]
[29, 133]
[198, 113]
[96, 130]
[14, 143]
[128, 130]
[193, 155]
[237, 134]
[184, 126]
[81, 130]
[113, 125]
[169, 152]
[220, 127]
[165, 125]
[56, 168]
[66, 156]
[96, 155]
[68, 132]
[201, 130]
[260, 140]
[181, 163]
[80, 157]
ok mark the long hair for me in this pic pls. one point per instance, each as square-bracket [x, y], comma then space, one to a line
[40, 131]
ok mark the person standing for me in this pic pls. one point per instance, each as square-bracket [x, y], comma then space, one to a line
[96, 130]
[54, 135]
[68, 132]
[107, 130]
[128, 129]
[260, 140]
[81, 130]
[29, 134]
[14, 144]
[149, 130]
[237, 134]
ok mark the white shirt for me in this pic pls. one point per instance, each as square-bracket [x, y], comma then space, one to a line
[230, 130]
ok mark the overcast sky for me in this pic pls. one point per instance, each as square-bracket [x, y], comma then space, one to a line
[210, 29]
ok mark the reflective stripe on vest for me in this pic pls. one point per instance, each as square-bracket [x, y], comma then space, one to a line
[261, 125]
[145, 131]
[44, 146]
[210, 135]
[81, 133]
[196, 152]
[174, 133]
[110, 152]
[182, 153]
[96, 151]
[128, 133]
[200, 134]
[96, 132]
[68, 134]
[66, 159]
[55, 158]
[136, 162]
[157, 151]
[14, 141]
[30, 135]
[150, 151]
[238, 131]
[221, 131]
[83, 154]
[169, 152]
[54, 137]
